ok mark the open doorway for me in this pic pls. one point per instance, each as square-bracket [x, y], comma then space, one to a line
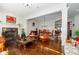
[73, 29]
[48, 29]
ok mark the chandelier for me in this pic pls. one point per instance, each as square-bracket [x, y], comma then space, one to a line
[27, 5]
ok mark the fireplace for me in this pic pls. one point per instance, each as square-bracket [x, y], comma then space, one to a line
[9, 32]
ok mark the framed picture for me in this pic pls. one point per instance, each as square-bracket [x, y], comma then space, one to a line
[10, 19]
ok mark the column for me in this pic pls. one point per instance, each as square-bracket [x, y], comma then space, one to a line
[26, 24]
[64, 24]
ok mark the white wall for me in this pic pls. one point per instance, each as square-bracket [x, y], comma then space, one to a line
[75, 21]
[19, 20]
[3, 19]
[30, 27]
[47, 22]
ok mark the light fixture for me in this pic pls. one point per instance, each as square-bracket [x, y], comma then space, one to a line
[27, 5]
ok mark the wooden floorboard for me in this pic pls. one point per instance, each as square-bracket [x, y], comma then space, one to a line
[47, 48]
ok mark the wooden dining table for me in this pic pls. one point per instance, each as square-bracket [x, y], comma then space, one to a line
[24, 43]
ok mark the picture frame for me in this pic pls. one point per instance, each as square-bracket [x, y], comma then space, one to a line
[10, 19]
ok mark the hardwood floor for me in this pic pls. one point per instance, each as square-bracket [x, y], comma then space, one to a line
[46, 48]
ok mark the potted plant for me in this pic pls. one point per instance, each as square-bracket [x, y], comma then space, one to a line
[77, 33]
[77, 38]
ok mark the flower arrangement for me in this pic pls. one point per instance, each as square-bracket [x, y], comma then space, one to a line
[68, 40]
[77, 38]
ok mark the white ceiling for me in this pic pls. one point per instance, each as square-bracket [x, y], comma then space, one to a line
[53, 16]
[22, 11]
[73, 9]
